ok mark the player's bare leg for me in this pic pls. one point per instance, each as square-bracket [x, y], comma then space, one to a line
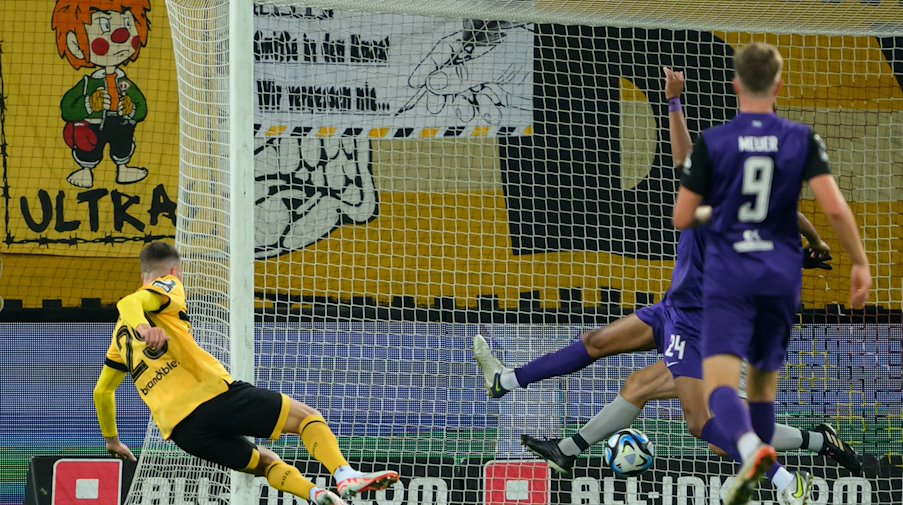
[323, 446]
[691, 393]
[651, 383]
[628, 334]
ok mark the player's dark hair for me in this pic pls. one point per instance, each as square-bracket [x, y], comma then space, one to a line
[158, 255]
[758, 67]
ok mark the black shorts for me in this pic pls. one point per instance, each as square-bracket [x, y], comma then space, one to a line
[216, 430]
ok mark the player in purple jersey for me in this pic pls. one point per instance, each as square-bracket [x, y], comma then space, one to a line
[672, 326]
[750, 171]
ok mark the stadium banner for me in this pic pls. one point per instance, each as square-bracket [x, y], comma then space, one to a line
[605, 225]
[324, 73]
[90, 165]
[618, 251]
[693, 480]
[696, 480]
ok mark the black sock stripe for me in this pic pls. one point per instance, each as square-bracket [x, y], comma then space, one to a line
[805, 440]
[310, 423]
[580, 441]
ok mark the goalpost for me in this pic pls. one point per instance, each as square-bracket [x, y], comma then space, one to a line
[379, 181]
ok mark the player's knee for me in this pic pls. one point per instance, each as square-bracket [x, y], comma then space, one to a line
[596, 343]
[261, 459]
[635, 389]
[298, 412]
[303, 410]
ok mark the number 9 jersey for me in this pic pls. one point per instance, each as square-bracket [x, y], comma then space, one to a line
[751, 172]
[176, 378]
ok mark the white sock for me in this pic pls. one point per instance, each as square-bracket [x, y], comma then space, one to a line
[816, 441]
[786, 438]
[782, 479]
[313, 493]
[748, 444]
[509, 380]
[345, 473]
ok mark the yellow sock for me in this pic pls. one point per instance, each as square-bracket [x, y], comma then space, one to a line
[285, 477]
[321, 443]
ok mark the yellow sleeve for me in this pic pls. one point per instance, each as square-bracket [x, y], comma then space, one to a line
[105, 399]
[132, 307]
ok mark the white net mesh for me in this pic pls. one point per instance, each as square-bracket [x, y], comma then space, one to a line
[165, 473]
[423, 179]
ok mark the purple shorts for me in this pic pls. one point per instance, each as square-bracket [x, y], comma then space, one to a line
[676, 334]
[756, 328]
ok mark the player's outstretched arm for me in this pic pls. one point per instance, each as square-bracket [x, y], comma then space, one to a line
[105, 404]
[681, 143]
[695, 184]
[817, 253]
[815, 242]
[835, 207]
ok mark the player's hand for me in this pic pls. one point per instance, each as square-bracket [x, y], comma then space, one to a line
[860, 284]
[674, 83]
[819, 249]
[815, 258]
[119, 450]
[153, 337]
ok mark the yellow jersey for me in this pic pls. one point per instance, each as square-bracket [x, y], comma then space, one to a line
[177, 378]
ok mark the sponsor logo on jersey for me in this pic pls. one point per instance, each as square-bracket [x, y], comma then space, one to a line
[158, 376]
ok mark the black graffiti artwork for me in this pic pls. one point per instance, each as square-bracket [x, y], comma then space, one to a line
[562, 185]
[307, 188]
[46, 212]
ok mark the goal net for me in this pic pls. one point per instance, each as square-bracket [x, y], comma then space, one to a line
[426, 171]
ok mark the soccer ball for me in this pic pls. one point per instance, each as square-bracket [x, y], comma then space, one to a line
[629, 453]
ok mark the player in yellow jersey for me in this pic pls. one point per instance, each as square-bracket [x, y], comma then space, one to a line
[190, 394]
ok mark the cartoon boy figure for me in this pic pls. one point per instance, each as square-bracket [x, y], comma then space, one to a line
[104, 107]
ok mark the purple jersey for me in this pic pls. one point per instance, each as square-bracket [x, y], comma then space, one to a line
[751, 171]
[686, 280]
[676, 333]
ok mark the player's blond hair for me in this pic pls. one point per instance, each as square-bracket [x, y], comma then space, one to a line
[758, 66]
[158, 256]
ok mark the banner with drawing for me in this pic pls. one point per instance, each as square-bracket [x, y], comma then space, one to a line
[324, 73]
[92, 168]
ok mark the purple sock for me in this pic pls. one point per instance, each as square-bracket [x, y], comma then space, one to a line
[712, 435]
[762, 416]
[731, 414]
[561, 362]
